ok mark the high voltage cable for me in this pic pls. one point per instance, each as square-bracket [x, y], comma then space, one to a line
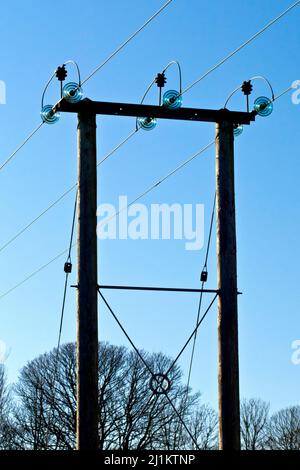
[126, 42]
[130, 135]
[32, 133]
[201, 294]
[186, 89]
[132, 202]
[63, 195]
[113, 54]
[151, 188]
[34, 273]
[283, 93]
[267, 26]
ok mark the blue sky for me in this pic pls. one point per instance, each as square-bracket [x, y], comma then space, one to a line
[36, 39]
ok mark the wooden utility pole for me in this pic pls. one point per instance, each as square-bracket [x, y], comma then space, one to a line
[87, 300]
[228, 363]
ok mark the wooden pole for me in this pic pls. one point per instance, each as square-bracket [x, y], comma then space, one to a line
[87, 297]
[228, 363]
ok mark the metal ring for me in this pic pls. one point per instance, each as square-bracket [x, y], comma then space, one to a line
[160, 384]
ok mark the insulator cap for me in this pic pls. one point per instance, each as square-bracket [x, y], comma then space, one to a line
[238, 129]
[247, 87]
[160, 80]
[72, 92]
[61, 73]
[263, 106]
[48, 116]
[146, 123]
[204, 275]
[172, 99]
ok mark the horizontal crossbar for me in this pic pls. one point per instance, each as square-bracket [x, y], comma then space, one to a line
[161, 112]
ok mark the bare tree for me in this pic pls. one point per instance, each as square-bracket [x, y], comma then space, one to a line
[130, 415]
[204, 426]
[6, 427]
[3, 404]
[284, 429]
[254, 420]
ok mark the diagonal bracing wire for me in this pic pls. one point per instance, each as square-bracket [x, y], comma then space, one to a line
[192, 334]
[146, 365]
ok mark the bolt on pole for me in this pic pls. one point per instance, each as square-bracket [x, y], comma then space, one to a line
[87, 296]
[228, 363]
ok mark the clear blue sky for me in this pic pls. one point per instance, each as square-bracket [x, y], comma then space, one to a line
[36, 38]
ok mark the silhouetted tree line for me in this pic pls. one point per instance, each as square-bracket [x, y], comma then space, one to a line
[39, 412]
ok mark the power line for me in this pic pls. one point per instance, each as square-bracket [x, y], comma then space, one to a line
[63, 195]
[67, 272]
[186, 89]
[151, 188]
[283, 93]
[118, 146]
[267, 26]
[199, 304]
[32, 133]
[18, 234]
[132, 202]
[113, 54]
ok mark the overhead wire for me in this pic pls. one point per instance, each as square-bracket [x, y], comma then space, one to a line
[32, 133]
[181, 92]
[99, 67]
[64, 194]
[238, 49]
[132, 202]
[212, 69]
